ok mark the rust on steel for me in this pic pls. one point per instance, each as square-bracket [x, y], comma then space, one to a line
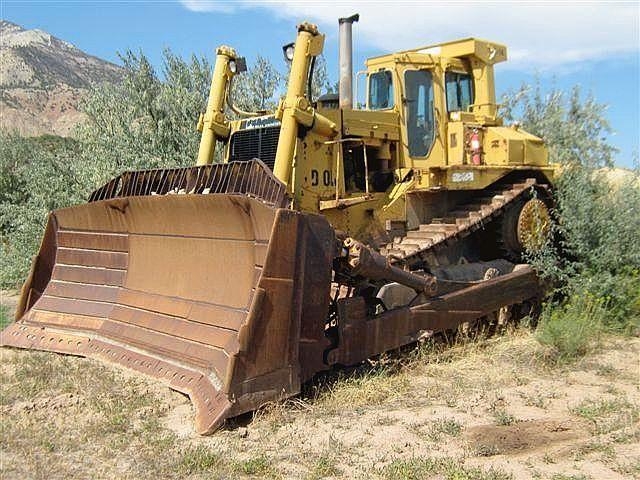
[424, 243]
[200, 278]
[252, 178]
[364, 261]
[362, 337]
[204, 292]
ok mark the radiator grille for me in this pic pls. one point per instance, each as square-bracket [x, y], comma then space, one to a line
[255, 143]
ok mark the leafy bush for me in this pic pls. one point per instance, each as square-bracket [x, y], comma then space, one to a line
[599, 219]
[5, 317]
[570, 328]
[38, 175]
[574, 127]
[594, 264]
[598, 261]
[145, 121]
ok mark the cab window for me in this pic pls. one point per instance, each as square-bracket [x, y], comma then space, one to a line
[459, 88]
[380, 90]
[420, 116]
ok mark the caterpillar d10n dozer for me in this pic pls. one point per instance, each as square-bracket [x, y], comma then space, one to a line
[329, 234]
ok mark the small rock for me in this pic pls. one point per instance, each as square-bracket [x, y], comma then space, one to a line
[25, 406]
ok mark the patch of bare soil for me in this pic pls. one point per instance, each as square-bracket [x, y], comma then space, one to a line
[484, 410]
[527, 436]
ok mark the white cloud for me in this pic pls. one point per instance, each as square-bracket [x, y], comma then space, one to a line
[207, 5]
[539, 35]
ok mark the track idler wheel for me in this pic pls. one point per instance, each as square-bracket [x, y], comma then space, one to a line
[526, 228]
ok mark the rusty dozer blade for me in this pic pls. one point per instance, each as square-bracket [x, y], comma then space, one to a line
[202, 291]
[200, 278]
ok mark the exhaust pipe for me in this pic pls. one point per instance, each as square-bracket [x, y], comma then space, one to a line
[346, 61]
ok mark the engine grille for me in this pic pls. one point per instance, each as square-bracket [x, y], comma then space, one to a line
[255, 143]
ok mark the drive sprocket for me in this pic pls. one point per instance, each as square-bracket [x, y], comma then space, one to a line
[526, 227]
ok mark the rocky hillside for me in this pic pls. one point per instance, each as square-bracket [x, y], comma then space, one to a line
[42, 80]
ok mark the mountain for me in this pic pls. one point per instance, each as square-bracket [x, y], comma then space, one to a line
[43, 79]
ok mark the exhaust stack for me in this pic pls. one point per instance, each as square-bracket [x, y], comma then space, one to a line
[346, 61]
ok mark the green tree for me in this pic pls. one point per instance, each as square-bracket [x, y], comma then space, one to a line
[596, 257]
[38, 175]
[320, 81]
[257, 89]
[146, 121]
[574, 127]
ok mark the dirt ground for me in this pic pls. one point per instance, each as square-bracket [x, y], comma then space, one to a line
[488, 409]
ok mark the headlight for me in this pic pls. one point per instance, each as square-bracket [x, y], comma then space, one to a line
[237, 65]
[288, 52]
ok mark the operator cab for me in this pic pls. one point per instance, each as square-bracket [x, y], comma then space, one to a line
[431, 86]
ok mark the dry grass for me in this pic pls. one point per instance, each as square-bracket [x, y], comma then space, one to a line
[417, 468]
[369, 386]
[608, 414]
[489, 409]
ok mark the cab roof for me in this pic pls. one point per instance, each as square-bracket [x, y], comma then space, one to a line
[485, 51]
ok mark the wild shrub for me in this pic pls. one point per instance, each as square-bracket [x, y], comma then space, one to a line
[570, 327]
[37, 175]
[595, 265]
[593, 262]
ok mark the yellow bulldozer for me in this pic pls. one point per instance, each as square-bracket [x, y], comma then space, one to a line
[330, 233]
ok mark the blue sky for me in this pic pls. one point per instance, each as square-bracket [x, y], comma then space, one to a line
[593, 44]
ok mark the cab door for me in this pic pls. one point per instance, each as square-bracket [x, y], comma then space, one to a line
[422, 106]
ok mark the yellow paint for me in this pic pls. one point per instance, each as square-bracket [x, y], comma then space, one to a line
[324, 153]
[294, 109]
[213, 124]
